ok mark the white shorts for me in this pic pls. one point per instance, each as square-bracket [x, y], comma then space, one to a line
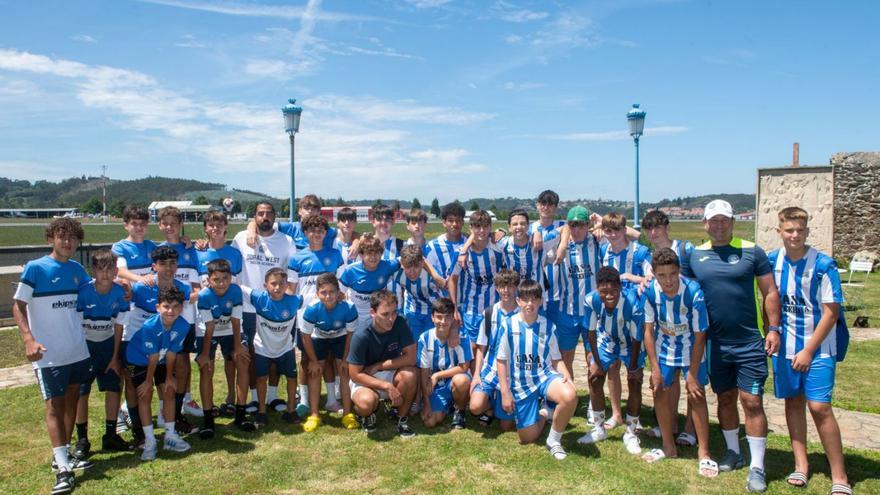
[384, 375]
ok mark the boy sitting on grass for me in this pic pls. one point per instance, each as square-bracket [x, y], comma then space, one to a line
[445, 379]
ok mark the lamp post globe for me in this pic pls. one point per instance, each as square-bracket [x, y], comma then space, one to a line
[292, 114]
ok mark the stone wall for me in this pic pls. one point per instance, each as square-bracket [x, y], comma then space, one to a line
[811, 188]
[856, 203]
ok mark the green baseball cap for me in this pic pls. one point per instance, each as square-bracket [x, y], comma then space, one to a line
[578, 214]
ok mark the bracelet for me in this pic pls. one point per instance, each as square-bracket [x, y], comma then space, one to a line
[774, 328]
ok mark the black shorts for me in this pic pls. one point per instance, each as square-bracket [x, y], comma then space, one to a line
[189, 343]
[100, 354]
[139, 374]
[741, 365]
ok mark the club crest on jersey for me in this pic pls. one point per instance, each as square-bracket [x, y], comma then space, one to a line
[285, 313]
[733, 259]
[173, 335]
[228, 304]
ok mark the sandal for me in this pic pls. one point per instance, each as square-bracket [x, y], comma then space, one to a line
[797, 479]
[685, 439]
[653, 432]
[841, 488]
[654, 455]
[708, 468]
[610, 424]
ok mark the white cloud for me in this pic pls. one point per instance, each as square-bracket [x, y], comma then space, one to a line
[84, 38]
[368, 145]
[189, 41]
[259, 10]
[618, 135]
[512, 13]
[18, 87]
[274, 69]
[31, 170]
[427, 4]
[523, 86]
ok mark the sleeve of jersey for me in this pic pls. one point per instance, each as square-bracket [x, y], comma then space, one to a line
[308, 321]
[831, 290]
[121, 308]
[555, 355]
[649, 305]
[81, 300]
[120, 256]
[503, 344]
[456, 269]
[762, 264]
[183, 328]
[25, 290]
[686, 265]
[590, 322]
[329, 238]
[237, 304]
[637, 319]
[394, 265]
[700, 318]
[204, 307]
[423, 359]
[351, 319]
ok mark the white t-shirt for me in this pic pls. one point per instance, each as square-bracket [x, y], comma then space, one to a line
[270, 252]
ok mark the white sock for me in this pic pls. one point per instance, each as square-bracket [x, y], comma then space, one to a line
[731, 437]
[61, 457]
[554, 437]
[757, 446]
[336, 388]
[187, 397]
[598, 418]
[170, 430]
[631, 422]
[304, 394]
[253, 395]
[331, 391]
[149, 438]
[271, 394]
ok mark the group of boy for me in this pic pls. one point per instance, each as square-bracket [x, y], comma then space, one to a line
[486, 324]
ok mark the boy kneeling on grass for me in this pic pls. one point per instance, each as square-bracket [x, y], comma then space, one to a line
[151, 355]
[530, 370]
[445, 379]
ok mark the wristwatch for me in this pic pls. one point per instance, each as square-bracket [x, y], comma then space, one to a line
[774, 328]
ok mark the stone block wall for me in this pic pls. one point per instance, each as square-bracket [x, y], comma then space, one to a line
[856, 203]
[811, 188]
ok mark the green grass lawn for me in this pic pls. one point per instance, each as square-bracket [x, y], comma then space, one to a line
[284, 459]
[11, 348]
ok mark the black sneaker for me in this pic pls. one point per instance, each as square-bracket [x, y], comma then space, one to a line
[485, 419]
[183, 427]
[207, 431]
[291, 417]
[64, 482]
[368, 423]
[458, 421]
[75, 463]
[227, 409]
[262, 420]
[82, 448]
[403, 429]
[114, 442]
[392, 412]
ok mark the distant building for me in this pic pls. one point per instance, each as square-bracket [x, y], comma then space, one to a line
[190, 212]
[37, 212]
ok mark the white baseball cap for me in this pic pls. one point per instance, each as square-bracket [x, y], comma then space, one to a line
[718, 207]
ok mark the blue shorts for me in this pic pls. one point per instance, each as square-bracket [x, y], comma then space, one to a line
[471, 324]
[53, 381]
[568, 330]
[441, 396]
[668, 373]
[139, 374]
[418, 324]
[249, 328]
[189, 343]
[817, 383]
[495, 400]
[742, 366]
[100, 354]
[227, 346]
[323, 347]
[527, 409]
[285, 364]
[606, 359]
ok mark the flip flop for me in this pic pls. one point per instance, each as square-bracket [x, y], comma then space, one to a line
[610, 424]
[708, 468]
[841, 488]
[797, 479]
[685, 439]
[654, 455]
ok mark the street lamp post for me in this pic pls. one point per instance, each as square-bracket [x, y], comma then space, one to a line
[292, 114]
[636, 120]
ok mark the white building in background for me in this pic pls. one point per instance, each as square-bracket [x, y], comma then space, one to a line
[191, 212]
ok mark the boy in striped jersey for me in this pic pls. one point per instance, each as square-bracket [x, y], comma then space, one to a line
[133, 252]
[442, 252]
[676, 320]
[518, 250]
[814, 338]
[327, 325]
[416, 221]
[51, 330]
[473, 289]
[631, 259]
[419, 290]
[103, 307]
[614, 319]
[485, 400]
[576, 278]
[545, 228]
[346, 237]
[445, 379]
[530, 371]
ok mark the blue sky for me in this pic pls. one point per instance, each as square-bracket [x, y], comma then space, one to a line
[446, 98]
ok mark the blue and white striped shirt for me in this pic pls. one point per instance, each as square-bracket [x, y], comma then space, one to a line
[442, 254]
[676, 319]
[418, 294]
[635, 260]
[577, 276]
[476, 284]
[550, 236]
[437, 356]
[614, 329]
[529, 351]
[490, 340]
[803, 287]
[524, 260]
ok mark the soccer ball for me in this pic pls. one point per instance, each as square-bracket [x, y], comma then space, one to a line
[228, 203]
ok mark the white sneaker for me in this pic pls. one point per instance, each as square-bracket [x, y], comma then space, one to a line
[175, 444]
[192, 408]
[597, 434]
[631, 441]
[333, 407]
[590, 413]
[150, 451]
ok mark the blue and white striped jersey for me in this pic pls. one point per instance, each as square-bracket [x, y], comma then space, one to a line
[550, 236]
[577, 276]
[322, 323]
[803, 287]
[143, 305]
[418, 294]
[228, 253]
[344, 248]
[101, 312]
[676, 319]
[530, 352]
[616, 327]
[476, 284]
[275, 320]
[134, 256]
[682, 249]
[306, 266]
[524, 260]
[359, 284]
[490, 340]
[635, 259]
[50, 288]
[442, 254]
[220, 310]
[437, 356]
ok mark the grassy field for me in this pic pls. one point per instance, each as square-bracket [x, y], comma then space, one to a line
[284, 459]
